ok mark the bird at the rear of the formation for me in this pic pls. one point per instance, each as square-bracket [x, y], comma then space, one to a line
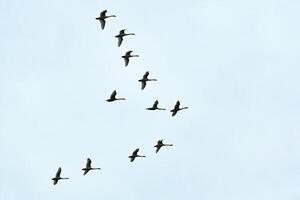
[155, 107]
[113, 97]
[161, 144]
[88, 167]
[121, 35]
[145, 79]
[127, 56]
[177, 108]
[57, 176]
[102, 18]
[135, 155]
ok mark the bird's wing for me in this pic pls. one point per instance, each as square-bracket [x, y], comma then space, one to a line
[55, 181]
[155, 104]
[143, 84]
[120, 40]
[177, 105]
[135, 152]
[58, 172]
[113, 94]
[102, 22]
[146, 75]
[157, 149]
[126, 60]
[88, 163]
[132, 158]
[85, 172]
[122, 32]
[103, 13]
[174, 112]
[128, 53]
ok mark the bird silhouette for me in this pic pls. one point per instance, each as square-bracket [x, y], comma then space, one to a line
[113, 97]
[155, 107]
[161, 144]
[57, 176]
[135, 155]
[145, 79]
[127, 56]
[102, 18]
[177, 108]
[88, 167]
[121, 35]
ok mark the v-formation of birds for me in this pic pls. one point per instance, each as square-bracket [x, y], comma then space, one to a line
[88, 167]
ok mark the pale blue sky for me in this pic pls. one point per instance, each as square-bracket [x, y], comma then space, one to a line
[234, 63]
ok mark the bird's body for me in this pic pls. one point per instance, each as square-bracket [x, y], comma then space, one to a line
[127, 56]
[102, 18]
[113, 97]
[121, 35]
[145, 79]
[155, 106]
[177, 108]
[88, 167]
[135, 155]
[57, 176]
[161, 144]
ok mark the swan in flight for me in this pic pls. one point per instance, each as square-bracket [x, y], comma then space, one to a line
[155, 107]
[161, 144]
[88, 167]
[177, 108]
[113, 97]
[121, 35]
[145, 79]
[102, 18]
[134, 155]
[127, 56]
[57, 176]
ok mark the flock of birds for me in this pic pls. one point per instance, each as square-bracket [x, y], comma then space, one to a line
[88, 167]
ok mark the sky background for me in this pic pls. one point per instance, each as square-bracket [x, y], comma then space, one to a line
[234, 63]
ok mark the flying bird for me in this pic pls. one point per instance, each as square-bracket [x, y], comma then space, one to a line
[57, 176]
[161, 144]
[155, 107]
[177, 108]
[88, 167]
[127, 56]
[102, 18]
[121, 35]
[134, 155]
[113, 97]
[145, 79]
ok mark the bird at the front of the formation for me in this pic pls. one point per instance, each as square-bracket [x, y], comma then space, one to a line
[135, 155]
[103, 17]
[121, 35]
[177, 108]
[127, 56]
[145, 79]
[161, 144]
[88, 167]
[113, 97]
[155, 106]
[57, 176]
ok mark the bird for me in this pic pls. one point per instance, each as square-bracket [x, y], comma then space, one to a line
[88, 166]
[57, 176]
[176, 108]
[161, 144]
[102, 18]
[127, 56]
[121, 35]
[145, 79]
[134, 155]
[154, 107]
[113, 97]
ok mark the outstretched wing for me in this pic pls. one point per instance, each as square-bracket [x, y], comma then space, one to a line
[174, 112]
[120, 40]
[103, 13]
[157, 149]
[135, 152]
[126, 60]
[128, 53]
[143, 84]
[146, 75]
[88, 163]
[102, 22]
[113, 94]
[132, 158]
[55, 181]
[177, 105]
[58, 172]
[155, 104]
